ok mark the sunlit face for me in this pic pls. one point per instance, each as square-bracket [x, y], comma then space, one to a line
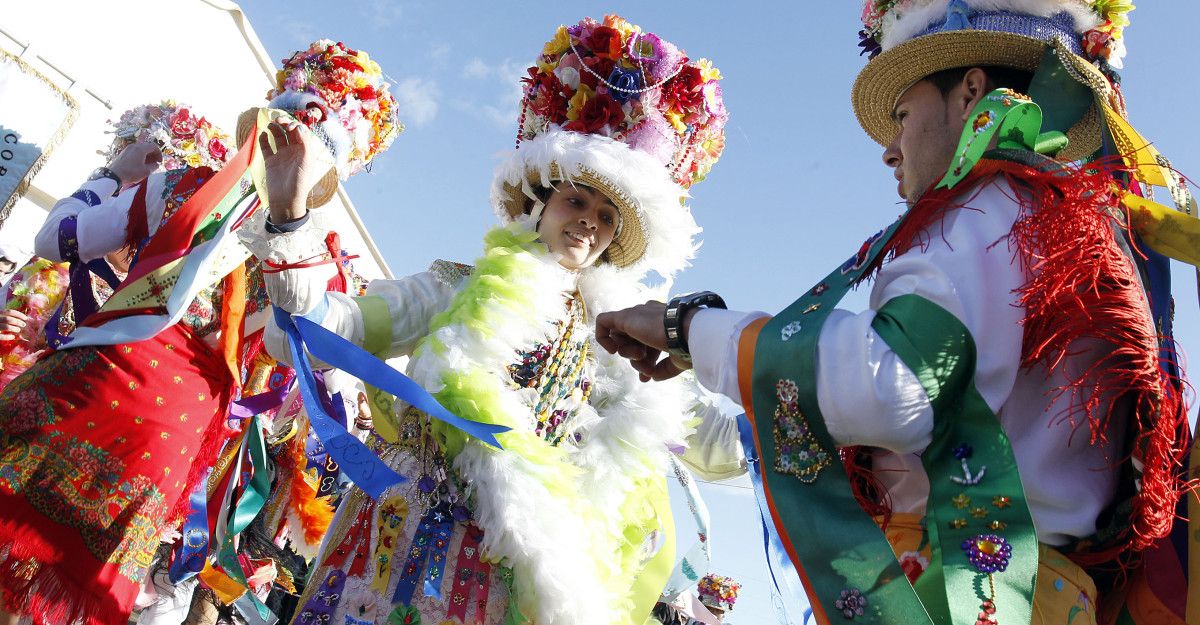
[930, 125]
[578, 224]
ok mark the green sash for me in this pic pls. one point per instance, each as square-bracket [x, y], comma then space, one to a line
[983, 544]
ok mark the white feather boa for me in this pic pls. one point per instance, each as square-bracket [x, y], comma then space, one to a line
[559, 547]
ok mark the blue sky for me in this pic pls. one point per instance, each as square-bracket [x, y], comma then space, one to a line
[798, 189]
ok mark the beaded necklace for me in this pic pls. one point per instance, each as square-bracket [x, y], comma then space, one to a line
[557, 372]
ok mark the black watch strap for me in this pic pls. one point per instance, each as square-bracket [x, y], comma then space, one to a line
[676, 312]
[104, 172]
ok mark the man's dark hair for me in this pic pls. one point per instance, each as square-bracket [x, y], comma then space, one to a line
[998, 77]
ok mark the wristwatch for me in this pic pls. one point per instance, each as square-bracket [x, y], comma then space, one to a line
[104, 172]
[676, 312]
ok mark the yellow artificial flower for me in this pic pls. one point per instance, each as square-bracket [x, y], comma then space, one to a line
[622, 26]
[547, 67]
[559, 44]
[187, 146]
[582, 95]
[1116, 11]
[707, 71]
[676, 119]
[193, 160]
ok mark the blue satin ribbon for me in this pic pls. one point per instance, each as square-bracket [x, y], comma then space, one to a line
[342, 354]
[362, 466]
[778, 562]
[357, 461]
[192, 550]
[431, 540]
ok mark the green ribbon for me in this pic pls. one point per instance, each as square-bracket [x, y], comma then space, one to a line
[1013, 120]
[940, 352]
[248, 507]
[839, 547]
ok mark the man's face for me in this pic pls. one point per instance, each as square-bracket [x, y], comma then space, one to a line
[930, 125]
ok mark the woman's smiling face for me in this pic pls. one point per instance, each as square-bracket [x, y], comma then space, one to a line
[578, 224]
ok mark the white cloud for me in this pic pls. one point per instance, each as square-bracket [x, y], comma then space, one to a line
[439, 53]
[476, 68]
[299, 33]
[417, 100]
[501, 109]
[381, 13]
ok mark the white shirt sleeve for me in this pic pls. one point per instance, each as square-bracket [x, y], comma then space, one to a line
[412, 301]
[101, 219]
[713, 342]
[866, 394]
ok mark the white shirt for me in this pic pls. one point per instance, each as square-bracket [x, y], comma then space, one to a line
[869, 397]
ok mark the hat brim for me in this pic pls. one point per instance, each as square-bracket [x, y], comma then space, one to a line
[325, 188]
[629, 244]
[888, 76]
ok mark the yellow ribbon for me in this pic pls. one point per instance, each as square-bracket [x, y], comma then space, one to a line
[1167, 231]
[648, 584]
[222, 585]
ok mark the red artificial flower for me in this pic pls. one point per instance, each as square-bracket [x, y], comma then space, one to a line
[600, 111]
[217, 149]
[1096, 43]
[602, 67]
[605, 42]
[183, 124]
[341, 62]
[686, 89]
[546, 97]
[365, 93]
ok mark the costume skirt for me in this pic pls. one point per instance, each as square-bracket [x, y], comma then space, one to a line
[405, 558]
[97, 449]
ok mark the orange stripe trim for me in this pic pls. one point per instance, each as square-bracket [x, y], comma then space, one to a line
[745, 365]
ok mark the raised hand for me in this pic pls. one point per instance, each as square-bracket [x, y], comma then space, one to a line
[135, 162]
[13, 324]
[637, 334]
[294, 166]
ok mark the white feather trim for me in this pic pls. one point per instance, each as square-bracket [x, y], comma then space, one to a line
[551, 542]
[668, 224]
[900, 26]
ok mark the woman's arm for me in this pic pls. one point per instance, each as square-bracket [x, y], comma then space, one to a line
[92, 221]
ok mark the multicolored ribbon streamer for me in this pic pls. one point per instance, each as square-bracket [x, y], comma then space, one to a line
[393, 513]
[470, 566]
[433, 536]
[192, 551]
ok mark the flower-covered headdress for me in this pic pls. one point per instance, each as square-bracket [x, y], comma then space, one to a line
[718, 591]
[908, 40]
[186, 140]
[341, 94]
[627, 112]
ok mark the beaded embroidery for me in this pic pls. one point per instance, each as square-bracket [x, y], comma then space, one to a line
[799, 453]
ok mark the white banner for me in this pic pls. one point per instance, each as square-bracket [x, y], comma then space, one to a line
[34, 116]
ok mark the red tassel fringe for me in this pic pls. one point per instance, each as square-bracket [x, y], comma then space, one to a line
[1082, 288]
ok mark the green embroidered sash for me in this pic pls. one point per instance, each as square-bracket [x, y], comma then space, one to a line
[983, 543]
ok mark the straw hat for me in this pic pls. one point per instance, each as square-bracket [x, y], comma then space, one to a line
[325, 188]
[619, 109]
[913, 39]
